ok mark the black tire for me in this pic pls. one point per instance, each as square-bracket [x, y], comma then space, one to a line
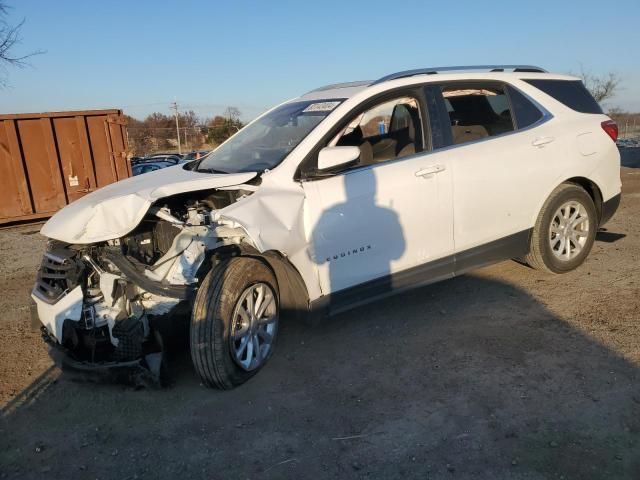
[541, 256]
[211, 320]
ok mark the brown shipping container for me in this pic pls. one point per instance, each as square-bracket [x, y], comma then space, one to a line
[48, 160]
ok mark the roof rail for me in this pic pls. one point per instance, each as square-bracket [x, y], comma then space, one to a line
[434, 70]
[341, 85]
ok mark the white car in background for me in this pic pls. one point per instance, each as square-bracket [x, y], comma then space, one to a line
[344, 195]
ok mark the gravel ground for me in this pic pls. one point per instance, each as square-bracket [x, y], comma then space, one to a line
[503, 373]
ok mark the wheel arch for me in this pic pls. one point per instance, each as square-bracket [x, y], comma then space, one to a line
[587, 184]
[592, 189]
[293, 295]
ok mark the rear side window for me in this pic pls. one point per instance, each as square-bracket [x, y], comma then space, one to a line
[525, 112]
[476, 112]
[571, 93]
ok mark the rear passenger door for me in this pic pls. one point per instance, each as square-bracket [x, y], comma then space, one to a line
[500, 149]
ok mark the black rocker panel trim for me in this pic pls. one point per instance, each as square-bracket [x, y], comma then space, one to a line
[512, 246]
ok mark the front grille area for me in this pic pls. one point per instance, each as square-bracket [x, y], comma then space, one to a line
[59, 273]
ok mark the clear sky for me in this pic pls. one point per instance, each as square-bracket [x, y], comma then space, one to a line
[141, 55]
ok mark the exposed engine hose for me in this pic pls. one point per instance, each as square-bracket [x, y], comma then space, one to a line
[128, 269]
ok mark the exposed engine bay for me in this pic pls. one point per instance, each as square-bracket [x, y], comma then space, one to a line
[115, 303]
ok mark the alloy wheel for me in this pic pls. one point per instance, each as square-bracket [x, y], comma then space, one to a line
[254, 326]
[569, 230]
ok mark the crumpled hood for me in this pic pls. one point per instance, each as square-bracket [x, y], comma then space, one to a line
[115, 210]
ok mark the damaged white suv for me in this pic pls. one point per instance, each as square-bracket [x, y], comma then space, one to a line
[344, 195]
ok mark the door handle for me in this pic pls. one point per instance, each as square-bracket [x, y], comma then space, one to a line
[542, 141]
[425, 172]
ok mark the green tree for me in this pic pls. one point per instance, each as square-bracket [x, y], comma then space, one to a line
[222, 127]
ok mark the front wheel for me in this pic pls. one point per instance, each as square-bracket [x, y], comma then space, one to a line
[564, 231]
[234, 323]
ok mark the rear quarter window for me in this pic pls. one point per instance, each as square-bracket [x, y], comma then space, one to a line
[571, 93]
[525, 112]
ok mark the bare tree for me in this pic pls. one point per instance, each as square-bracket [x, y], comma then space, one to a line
[601, 87]
[616, 111]
[232, 113]
[9, 39]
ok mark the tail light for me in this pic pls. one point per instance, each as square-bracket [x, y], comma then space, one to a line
[611, 128]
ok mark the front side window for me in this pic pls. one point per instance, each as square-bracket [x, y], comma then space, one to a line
[477, 112]
[263, 144]
[387, 131]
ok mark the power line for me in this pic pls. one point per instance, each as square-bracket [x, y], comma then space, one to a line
[174, 105]
[144, 104]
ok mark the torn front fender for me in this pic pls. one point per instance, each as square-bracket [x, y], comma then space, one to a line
[274, 220]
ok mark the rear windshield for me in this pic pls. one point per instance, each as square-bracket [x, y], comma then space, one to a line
[571, 93]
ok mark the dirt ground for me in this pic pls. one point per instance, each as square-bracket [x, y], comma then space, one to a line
[503, 373]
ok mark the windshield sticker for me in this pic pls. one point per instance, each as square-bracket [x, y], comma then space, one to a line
[321, 107]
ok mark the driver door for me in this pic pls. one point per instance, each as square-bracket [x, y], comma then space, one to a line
[384, 223]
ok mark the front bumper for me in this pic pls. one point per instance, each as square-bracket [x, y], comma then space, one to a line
[102, 316]
[145, 371]
[88, 335]
[53, 315]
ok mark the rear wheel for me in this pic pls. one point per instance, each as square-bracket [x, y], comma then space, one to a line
[234, 323]
[564, 231]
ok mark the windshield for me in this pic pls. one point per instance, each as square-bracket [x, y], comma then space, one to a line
[266, 142]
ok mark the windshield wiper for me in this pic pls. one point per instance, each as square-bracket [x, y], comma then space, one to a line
[210, 170]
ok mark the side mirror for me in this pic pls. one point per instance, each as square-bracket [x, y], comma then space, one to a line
[330, 157]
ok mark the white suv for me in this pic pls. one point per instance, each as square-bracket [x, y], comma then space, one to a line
[344, 195]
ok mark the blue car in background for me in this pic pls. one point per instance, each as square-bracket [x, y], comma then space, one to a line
[146, 167]
[141, 165]
[154, 162]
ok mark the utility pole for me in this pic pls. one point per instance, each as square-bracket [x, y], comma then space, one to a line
[174, 106]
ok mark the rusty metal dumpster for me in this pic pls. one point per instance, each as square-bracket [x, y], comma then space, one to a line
[48, 160]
